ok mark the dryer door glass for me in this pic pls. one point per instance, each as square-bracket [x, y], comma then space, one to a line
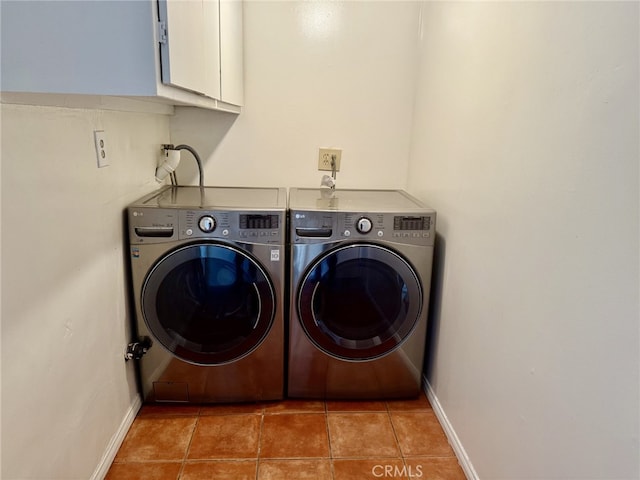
[208, 303]
[359, 301]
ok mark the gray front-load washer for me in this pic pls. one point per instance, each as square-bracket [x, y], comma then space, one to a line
[360, 278]
[208, 274]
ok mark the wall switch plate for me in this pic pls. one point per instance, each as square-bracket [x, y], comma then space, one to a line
[100, 138]
[324, 158]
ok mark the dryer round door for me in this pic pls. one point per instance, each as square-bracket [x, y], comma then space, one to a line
[359, 301]
[208, 303]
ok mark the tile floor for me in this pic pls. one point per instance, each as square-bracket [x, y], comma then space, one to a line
[287, 440]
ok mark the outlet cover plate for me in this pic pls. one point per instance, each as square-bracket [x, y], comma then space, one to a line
[324, 158]
[100, 138]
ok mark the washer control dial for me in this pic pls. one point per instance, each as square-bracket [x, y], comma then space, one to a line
[364, 225]
[207, 223]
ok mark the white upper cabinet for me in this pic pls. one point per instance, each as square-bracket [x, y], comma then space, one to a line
[167, 51]
[231, 48]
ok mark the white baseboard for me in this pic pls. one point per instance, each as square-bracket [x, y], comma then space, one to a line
[112, 449]
[458, 449]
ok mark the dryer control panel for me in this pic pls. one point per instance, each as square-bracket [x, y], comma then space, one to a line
[321, 227]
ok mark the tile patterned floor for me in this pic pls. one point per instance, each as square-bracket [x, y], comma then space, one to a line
[287, 440]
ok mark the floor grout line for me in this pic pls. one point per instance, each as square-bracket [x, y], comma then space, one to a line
[258, 456]
[186, 452]
[395, 435]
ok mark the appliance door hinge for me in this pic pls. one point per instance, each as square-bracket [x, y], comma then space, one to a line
[162, 32]
[136, 350]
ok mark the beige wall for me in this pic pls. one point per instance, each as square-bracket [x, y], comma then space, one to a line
[65, 386]
[525, 141]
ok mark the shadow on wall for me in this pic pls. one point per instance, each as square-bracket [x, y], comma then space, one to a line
[131, 330]
[201, 129]
[435, 305]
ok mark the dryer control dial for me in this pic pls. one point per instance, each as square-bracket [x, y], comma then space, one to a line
[364, 225]
[207, 223]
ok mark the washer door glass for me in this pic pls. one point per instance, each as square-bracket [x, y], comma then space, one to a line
[208, 303]
[359, 301]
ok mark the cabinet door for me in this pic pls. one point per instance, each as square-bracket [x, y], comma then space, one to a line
[78, 47]
[190, 55]
[231, 47]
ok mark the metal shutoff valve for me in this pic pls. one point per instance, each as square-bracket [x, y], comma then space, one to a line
[136, 350]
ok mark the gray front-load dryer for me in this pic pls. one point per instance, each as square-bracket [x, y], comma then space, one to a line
[208, 274]
[360, 278]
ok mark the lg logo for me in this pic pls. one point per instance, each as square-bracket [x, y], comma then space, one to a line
[390, 471]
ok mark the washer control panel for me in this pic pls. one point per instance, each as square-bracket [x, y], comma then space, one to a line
[252, 227]
[156, 225]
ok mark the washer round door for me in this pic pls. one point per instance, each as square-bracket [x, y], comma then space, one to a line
[359, 301]
[208, 304]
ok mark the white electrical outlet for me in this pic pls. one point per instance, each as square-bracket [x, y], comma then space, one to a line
[100, 138]
[324, 158]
